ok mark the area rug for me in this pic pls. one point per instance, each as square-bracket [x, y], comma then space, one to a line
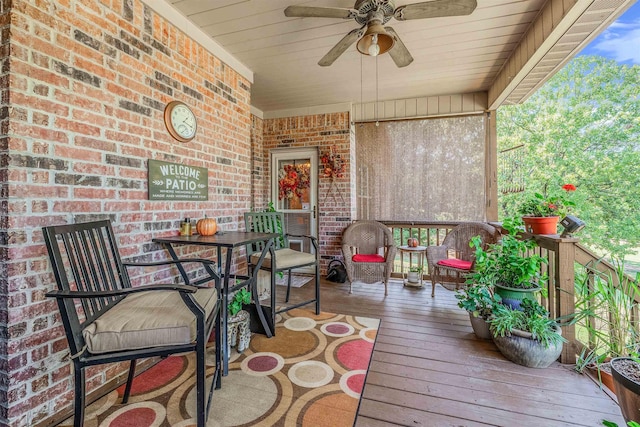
[310, 374]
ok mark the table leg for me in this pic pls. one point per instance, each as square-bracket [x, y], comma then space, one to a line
[225, 303]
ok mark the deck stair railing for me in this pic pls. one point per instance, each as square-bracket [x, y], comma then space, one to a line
[564, 254]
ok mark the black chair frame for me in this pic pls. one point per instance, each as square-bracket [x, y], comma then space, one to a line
[99, 280]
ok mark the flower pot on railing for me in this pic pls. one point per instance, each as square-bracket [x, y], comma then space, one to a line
[541, 224]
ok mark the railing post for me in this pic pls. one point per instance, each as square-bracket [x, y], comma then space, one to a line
[564, 273]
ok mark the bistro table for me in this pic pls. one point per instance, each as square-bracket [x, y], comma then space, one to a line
[229, 240]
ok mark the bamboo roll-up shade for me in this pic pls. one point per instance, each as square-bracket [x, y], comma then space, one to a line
[420, 170]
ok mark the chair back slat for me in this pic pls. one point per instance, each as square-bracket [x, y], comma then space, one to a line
[266, 222]
[85, 257]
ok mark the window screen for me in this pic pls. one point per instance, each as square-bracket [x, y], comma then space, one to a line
[422, 170]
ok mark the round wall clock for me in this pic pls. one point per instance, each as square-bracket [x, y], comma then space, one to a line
[180, 121]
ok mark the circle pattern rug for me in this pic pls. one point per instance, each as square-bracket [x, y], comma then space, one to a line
[311, 373]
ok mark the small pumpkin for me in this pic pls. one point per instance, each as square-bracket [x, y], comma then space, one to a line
[412, 242]
[206, 226]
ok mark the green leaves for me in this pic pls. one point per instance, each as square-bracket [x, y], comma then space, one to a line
[240, 298]
[582, 127]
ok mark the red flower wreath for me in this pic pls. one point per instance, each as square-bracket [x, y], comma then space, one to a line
[332, 164]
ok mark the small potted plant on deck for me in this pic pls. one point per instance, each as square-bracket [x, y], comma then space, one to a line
[413, 275]
[511, 266]
[479, 301]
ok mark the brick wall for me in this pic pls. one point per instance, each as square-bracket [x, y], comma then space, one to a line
[259, 160]
[322, 131]
[4, 126]
[89, 82]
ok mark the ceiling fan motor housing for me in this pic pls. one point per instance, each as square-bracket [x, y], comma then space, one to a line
[365, 7]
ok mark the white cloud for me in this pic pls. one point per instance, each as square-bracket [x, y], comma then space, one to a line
[621, 41]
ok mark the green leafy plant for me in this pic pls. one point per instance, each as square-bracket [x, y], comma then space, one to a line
[532, 318]
[510, 262]
[539, 205]
[478, 300]
[240, 298]
[415, 269]
[612, 424]
[605, 310]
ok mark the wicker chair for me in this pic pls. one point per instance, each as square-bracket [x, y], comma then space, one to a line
[451, 271]
[368, 250]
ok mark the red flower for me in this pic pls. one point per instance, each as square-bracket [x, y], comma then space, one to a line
[569, 187]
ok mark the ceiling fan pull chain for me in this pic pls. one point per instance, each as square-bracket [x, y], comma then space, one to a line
[377, 122]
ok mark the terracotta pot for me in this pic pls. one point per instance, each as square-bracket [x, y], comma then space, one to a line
[541, 224]
[627, 391]
[603, 376]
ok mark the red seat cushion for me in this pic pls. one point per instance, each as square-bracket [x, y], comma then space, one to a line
[367, 258]
[455, 263]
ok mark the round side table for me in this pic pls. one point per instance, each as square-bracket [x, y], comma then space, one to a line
[418, 253]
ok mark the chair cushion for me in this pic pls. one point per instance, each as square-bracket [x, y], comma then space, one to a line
[286, 258]
[455, 263]
[148, 319]
[367, 258]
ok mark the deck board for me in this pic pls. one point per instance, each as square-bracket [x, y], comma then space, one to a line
[429, 369]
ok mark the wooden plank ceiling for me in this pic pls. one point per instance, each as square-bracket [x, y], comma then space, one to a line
[496, 49]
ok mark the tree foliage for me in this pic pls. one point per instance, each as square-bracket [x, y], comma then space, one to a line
[582, 127]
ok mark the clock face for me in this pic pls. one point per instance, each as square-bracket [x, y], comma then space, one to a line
[180, 121]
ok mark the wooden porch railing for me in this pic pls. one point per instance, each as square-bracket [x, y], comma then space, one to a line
[564, 254]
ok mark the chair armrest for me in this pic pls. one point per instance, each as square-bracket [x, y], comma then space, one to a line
[302, 235]
[120, 292]
[208, 265]
[168, 262]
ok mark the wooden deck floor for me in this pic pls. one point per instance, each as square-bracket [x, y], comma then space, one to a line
[429, 369]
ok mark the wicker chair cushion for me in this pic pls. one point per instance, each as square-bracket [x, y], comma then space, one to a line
[367, 258]
[455, 263]
[286, 258]
[147, 319]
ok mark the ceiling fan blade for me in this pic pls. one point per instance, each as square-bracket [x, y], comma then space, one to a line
[399, 52]
[319, 12]
[435, 9]
[342, 45]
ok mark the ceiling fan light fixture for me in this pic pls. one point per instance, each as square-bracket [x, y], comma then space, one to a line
[375, 41]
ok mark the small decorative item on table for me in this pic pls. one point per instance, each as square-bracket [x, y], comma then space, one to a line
[206, 226]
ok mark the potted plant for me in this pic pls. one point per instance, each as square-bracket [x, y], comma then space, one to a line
[510, 266]
[605, 312]
[238, 322]
[626, 380]
[528, 336]
[414, 274]
[541, 213]
[479, 301]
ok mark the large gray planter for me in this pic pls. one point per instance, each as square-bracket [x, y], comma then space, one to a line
[480, 327]
[521, 349]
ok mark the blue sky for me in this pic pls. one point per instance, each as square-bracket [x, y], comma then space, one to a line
[621, 41]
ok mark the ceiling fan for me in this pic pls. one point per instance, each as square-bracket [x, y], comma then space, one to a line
[373, 38]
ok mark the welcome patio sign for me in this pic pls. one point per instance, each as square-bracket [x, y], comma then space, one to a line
[173, 181]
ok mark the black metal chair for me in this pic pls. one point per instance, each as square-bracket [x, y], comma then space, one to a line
[107, 320]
